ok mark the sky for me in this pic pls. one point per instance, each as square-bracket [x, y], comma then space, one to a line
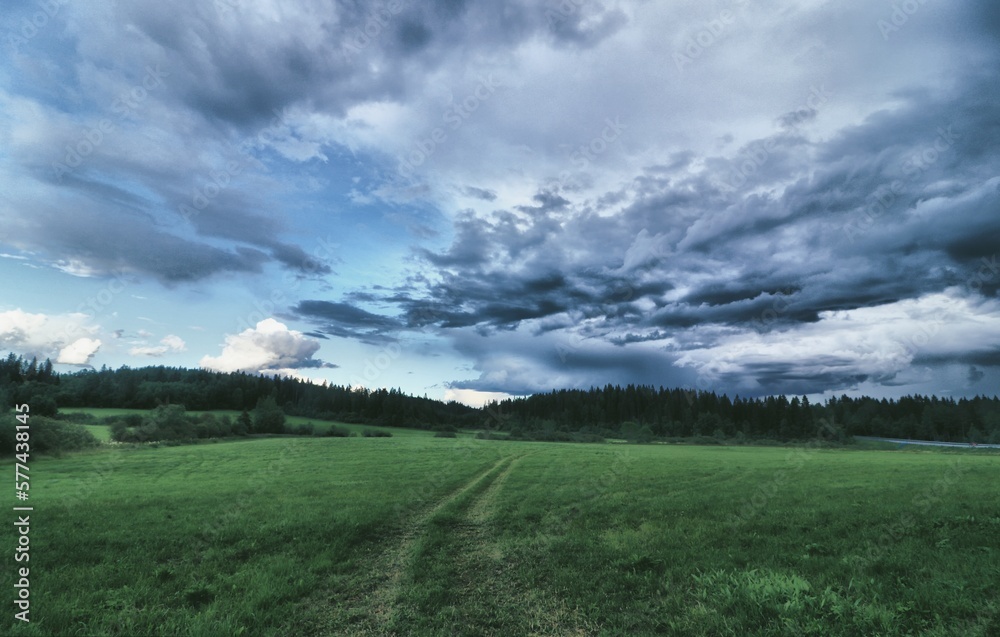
[472, 199]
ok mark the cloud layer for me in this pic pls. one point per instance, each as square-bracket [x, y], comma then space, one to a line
[753, 197]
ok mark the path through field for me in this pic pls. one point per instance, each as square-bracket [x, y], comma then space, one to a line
[384, 603]
[446, 570]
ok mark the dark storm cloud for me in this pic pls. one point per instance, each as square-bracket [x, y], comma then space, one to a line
[776, 378]
[491, 301]
[234, 71]
[928, 162]
[113, 211]
[231, 68]
[129, 245]
[519, 364]
[733, 206]
[232, 216]
[347, 321]
[975, 356]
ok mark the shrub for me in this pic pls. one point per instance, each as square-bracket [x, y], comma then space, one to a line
[336, 431]
[166, 422]
[376, 433]
[46, 435]
[301, 430]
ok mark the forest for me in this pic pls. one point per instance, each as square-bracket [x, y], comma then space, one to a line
[635, 412]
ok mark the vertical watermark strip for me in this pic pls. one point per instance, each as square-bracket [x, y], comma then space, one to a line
[22, 485]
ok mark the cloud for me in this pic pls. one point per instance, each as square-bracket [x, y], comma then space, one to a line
[479, 193]
[845, 347]
[79, 352]
[265, 349]
[802, 168]
[60, 336]
[168, 344]
[347, 321]
[472, 397]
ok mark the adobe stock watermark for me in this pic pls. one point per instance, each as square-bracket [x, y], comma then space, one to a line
[711, 31]
[561, 11]
[453, 118]
[590, 489]
[126, 104]
[922, 503]
[279, 296]
[219, 180]
[901, 13]
[795, 459]
[987, 272]
[778, 307]
[914, 166]
[34, 24]
[587, 153]
[758, 154]
[375, 366]
[91, 308]
[376, 23]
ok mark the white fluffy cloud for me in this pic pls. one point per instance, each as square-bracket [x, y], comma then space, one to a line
[270, 347]
[168, 344]
[79, 351]
[472, 397]
[65, 337]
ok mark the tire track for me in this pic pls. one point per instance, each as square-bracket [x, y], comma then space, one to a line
[496, 603]
[373, 611]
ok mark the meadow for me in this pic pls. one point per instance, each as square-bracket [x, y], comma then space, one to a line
[416, 535]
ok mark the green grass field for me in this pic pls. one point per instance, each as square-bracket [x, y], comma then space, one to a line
[415, 535]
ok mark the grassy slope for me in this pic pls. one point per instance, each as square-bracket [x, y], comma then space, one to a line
[462, 537]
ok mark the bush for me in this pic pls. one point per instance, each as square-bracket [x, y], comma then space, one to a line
[45, 435]
[337, 432]
[301, 430]
[166, 422]
[376, 433]
[446, 434]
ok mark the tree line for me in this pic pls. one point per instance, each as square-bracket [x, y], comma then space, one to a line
[635, 411]
[677, 413]
[203, 390]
